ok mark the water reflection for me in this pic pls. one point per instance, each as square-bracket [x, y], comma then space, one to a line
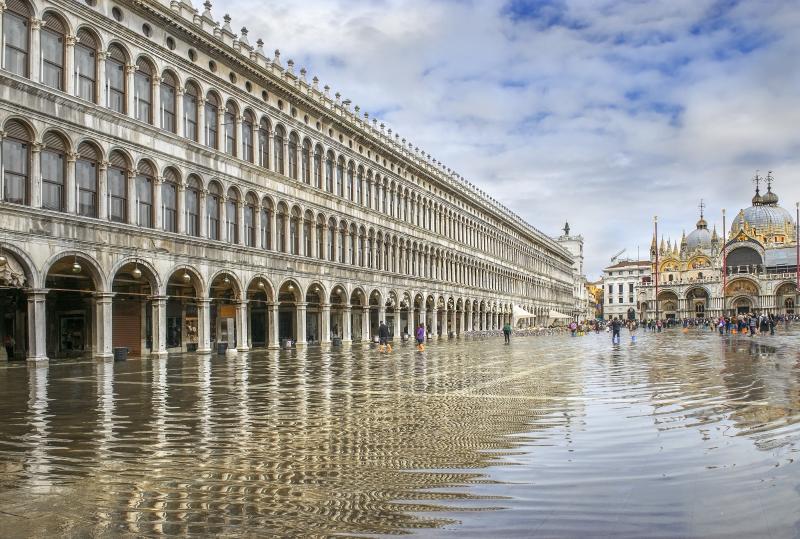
[670, 429]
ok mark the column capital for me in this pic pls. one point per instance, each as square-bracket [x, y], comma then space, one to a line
[158, 298]
[36, 24]
[37, 147]
[70, 41]
[205, 301]
[30, 292]
[180, 90]
[72, 157]
[102, 55]
[243, 302]
[103, 165]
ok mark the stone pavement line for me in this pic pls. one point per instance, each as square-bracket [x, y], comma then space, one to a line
[510, 377]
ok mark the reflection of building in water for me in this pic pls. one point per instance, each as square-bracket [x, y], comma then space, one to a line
[759, 258]
[166, 186]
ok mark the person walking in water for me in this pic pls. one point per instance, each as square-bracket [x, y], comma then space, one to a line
[383, 338]
[420, 334]
[507, 333]
[616, 325]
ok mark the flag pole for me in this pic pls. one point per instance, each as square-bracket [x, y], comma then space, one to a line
[797, 253]
[655, 224]
[724, 261]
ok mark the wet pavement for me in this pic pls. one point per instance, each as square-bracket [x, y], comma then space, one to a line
[674, 435]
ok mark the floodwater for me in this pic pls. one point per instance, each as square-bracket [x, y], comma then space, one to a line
[674, 435]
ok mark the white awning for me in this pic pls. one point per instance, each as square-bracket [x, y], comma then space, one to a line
[519, 313]
[556, 315]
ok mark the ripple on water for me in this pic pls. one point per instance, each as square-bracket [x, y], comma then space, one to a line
[673, 435]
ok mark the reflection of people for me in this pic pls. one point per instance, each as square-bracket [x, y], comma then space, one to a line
[8, 342]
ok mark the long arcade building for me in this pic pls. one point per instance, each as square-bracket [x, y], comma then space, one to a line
[166, 187]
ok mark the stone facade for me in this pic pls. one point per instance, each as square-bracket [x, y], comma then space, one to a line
[167, 187]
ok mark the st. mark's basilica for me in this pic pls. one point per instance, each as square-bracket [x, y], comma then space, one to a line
[758, 255]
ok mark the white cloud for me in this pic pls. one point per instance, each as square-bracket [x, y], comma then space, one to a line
[600, 113]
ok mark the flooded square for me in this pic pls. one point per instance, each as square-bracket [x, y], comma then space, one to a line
[674, 435]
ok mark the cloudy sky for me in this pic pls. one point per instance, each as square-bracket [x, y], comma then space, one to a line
[603, 113]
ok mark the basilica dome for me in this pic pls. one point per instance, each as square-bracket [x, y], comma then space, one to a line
[764, 215]
[699, 237]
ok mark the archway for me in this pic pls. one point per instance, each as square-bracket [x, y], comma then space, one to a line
[406, 324]
[135, 315]
[375, 303]
[430, 316]
[339, 319]
[785, 297]
[392, 314]
[226, 320]
[15, 277]
[72, 284]
[289, 296]
[743, 293]
[668, 305]
[184, 304]
[359, 315]
[742, 305]
[259, 301]
[314, 319]
[697, 299]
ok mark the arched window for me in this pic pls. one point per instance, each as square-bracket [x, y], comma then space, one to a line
[277, 146]
[213, 200]
[266, 224]
[305, 160]
[351, 246]
[350, 179]
[341, 241]
[86, 179]
[52, 36]
[331, 239]
[329, 160]
[370, 247]
[16, 162]
[169, 200]
[248, 124]
[211, 114]
[16, 37]
[318, 166]
[293, 156]
[145, 175]
[167, 98]
[294, 232]
[143, 91]
[368, 192]
[359, 181]
[54, 171]
[281, 228]
[117, 179]
[308, 222]
[320, 237]
[86, 66]
[115, 79]
[250, 220]
[340, 176]
[192, 202]
[229, 122]
[263, 143]
[232, 217]
[191, 100]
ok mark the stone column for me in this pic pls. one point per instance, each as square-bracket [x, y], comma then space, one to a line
[347, 324]
[314, 252]
[70, 188]
[273, 234]
[325, 324]
[204, 325]
[286, 236]
[158, 210]
[69, 65]
[240, 222]
[221, 128]
[423, 319]
[257, 227]
[159, 304]
[103, 340]
[242, 329]
[181, 209]
[102, 56]
[155, 110]
[37, 325]
[237, 133]
[203, 229]
[301, 324]
[365, 325]
[130, 103]
[397, 324]
[461, 321]
[179, 111]
[274, 341]
[102, 190]
[130, 186]
[35, 58]
[435, 322]
[468, 326]
[36, 175]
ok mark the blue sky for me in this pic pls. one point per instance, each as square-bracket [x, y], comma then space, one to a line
[597, 112]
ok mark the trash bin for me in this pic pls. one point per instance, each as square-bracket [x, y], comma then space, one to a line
[222, 347]
[336, 341]
[120, 354]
